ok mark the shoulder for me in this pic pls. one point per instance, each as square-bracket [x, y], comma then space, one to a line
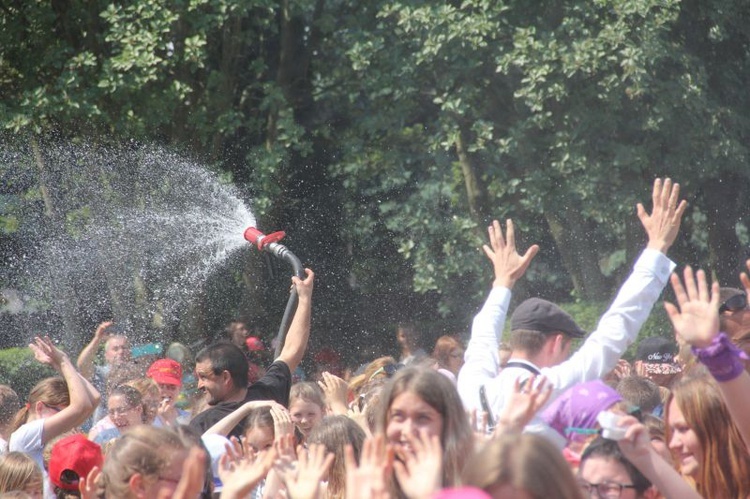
[27, 436]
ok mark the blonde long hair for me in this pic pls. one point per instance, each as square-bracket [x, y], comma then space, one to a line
[526, 462]
[145, 450]
[18, 471]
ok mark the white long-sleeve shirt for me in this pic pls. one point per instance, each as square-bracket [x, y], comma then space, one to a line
[617, 329]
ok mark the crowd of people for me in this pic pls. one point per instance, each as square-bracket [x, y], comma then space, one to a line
[524, 418]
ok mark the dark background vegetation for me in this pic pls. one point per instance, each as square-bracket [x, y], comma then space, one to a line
[383, 136]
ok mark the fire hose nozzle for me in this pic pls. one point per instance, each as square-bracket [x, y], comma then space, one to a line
[260, 240]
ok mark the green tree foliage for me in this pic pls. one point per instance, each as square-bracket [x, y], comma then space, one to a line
[385, 135]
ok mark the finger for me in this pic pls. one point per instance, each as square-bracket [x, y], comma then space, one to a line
[674, 315]
[656, 193]
[679, 290]
[674, 196]
[497, 235]
[666, 189]
[692, 289]
[702, 286]
[679, 212]
[510, 233]
[642, 214]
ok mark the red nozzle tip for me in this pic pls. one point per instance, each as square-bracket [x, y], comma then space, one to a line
[256, 237]
[253, 236]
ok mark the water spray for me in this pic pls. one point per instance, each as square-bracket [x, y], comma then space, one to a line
[270, 244]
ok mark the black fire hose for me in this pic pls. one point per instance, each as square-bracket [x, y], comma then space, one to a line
[270, 243]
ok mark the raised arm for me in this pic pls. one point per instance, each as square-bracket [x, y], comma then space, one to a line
[663, 224]
[481, 357]
[228, 422]
[637, 448]
[299, 331]
[620, 324]
[80, 407]
[697, 322]
[85, 360]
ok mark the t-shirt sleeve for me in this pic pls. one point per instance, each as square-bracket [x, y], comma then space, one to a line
[27, 438]
[274, 385]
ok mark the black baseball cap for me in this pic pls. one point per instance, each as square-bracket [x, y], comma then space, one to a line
[536, 314]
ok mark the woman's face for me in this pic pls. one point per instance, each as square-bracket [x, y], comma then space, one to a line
[259, 438]
[684, 443]
[305, 415]
[407, 416]
[123, 415]
[456, 360]
[151, 402]
[608, 475]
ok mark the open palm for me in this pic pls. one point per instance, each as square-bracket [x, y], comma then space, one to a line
[697, 319]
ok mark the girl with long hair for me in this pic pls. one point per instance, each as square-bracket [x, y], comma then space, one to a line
[54, 406]
[420, 403]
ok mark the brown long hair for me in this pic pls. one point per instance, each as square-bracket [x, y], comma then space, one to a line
[440, 394]
[49, 391]
[725, 466]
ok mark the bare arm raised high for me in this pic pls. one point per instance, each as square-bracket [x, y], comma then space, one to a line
[697, 322]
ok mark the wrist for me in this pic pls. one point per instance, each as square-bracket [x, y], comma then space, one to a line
[722, 358]
[658, 246]
[504, 282]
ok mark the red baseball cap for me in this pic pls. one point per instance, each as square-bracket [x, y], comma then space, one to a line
[253, 344]
[166, 372]
[73, 453]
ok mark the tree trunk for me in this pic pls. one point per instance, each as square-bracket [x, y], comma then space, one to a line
[579, 255]
[475, 189]
[725, 201]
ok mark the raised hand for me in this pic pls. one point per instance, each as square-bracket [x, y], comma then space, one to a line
[697, 319]
[88, 486]
[420, 473]
[369, 479]
[303, 480]
[239, 475]
[335, 390]
[282, 421]
[304, 287]
[47, 353]
[508, 264]
[523, 404]
[745, 279]
[663, 224]
[101, 332]
[636, 445]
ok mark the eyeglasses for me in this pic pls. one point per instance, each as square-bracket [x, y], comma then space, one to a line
[606, 490]
[734, 304]
[119, 411]
[52, 407]
[388, 369]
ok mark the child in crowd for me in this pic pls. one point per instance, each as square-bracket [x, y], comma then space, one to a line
[306, 406]
[19, 472]
[54, 405]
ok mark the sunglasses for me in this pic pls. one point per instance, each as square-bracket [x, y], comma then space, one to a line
[389, 370]
[734, 304]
